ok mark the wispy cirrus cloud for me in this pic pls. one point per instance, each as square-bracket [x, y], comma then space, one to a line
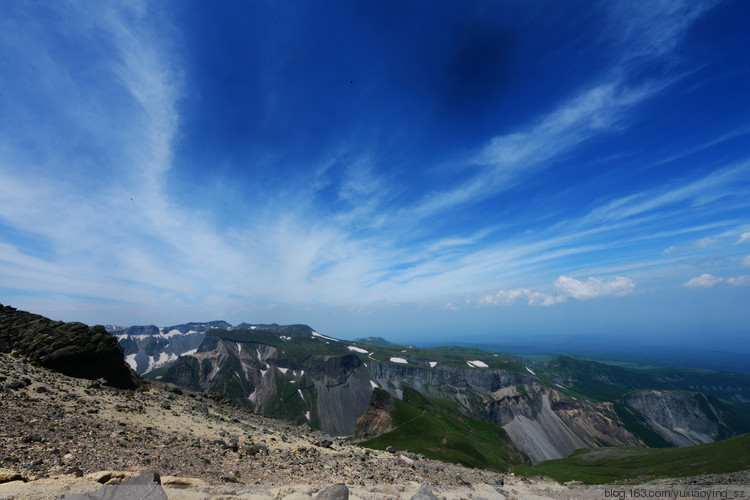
[117, 230]
[701, 243]
[641, 36]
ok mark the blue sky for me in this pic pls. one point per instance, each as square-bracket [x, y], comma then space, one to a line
[463, 171]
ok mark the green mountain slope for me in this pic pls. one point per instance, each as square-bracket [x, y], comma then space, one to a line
[611, 465]
[439, 430]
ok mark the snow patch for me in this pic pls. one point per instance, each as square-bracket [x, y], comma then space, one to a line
[239, 348]
[307, 415]
[263, 373]
[356, 349]
[130, 359]
[171, 333]
[300, 394]
[433, 364]
[399, 360]
[316, 334]
[374, 385]
[558, 385]
[477, 364]
[285, 338]
[191, 352]
[253, 327]
[530, 370]
[283, 370]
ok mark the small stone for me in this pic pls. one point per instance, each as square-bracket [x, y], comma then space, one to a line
[76, 471]
[573, 483]
[390, 449]
[16, 384]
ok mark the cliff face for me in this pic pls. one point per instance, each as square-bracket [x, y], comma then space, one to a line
[682, 418]
[342, 389]
[326, 392]
[73, 349]
[540, 421]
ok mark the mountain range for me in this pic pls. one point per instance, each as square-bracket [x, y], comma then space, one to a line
[467, 405]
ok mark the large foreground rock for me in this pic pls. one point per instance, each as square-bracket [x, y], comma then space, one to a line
[147, 486]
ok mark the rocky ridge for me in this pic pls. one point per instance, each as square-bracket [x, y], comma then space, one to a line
[74, 349]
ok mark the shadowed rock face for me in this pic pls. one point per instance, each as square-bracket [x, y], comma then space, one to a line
[74, 349]
[683, 418]
[376, 420]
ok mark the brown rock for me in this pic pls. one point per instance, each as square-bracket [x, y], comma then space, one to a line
[8, 475]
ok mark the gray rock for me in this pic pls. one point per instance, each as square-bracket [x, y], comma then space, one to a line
[335, 492]
[147, 486]
[425, 493]
[324, 443]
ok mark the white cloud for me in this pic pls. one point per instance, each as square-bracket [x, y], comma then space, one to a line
[746, 261]
[744, 237]
[567, 288]
[508, 297]
[594, 287]
[743, 280]
[703, 281]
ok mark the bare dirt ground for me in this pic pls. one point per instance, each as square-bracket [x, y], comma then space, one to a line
[60, 436]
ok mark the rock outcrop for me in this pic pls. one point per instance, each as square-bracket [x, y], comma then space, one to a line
[376, 420]
[74, 349]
